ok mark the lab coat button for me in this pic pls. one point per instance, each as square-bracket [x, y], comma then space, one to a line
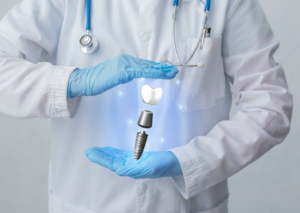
[146, 37]
[143, 188]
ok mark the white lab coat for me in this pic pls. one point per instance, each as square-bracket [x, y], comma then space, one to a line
[192, 119]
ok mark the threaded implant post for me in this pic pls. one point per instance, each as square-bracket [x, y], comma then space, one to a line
[140, 143]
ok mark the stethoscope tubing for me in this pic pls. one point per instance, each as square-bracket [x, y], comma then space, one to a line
[92, 45]
[176, 4]
[88, 15]
[207, 5]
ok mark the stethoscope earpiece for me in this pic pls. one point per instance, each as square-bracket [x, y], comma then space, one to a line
[201, 65]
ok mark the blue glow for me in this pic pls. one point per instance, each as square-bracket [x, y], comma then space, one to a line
[162, 140]
[121, 93]
[180, 107]
[178, 82]
[130, 121]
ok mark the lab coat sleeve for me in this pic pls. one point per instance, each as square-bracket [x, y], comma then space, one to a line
[28, 88]
[261, 93]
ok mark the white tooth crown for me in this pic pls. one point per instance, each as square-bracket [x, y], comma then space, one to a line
[151, 95]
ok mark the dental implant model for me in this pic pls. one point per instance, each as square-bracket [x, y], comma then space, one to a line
[150, 96]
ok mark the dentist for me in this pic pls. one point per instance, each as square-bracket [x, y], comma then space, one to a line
[94, 100]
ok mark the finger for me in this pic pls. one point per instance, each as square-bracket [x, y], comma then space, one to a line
[128, 171]
[118, 152]
[160, 66]
[92, 150]
[106, 158]
[135, 171]
[97, 156]
[118, 157]
[152, 69]
[133, 168]
[167, 72]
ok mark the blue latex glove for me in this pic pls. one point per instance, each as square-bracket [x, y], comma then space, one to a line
[150, 165]
[119, 70]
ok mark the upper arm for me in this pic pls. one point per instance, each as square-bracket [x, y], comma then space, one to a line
[246, 28]
[248, 40]
[31, 28]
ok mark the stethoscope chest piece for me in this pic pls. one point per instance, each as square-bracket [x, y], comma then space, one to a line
[88, 44]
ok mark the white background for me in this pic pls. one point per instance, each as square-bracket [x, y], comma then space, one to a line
[270, 185]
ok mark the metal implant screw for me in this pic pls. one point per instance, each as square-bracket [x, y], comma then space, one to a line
[140, 143]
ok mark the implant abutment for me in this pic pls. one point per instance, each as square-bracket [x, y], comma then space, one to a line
[146, 119]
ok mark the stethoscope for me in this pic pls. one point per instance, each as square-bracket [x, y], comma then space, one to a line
[205, 32]
[89, 44]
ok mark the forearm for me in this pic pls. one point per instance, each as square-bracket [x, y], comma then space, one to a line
[34, 90]
[28, 88]
[260, 91]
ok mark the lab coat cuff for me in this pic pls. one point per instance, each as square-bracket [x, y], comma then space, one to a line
[60, 105]
[191, 182]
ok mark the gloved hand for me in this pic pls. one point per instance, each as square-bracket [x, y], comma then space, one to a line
[151, 164]
[119, 70]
